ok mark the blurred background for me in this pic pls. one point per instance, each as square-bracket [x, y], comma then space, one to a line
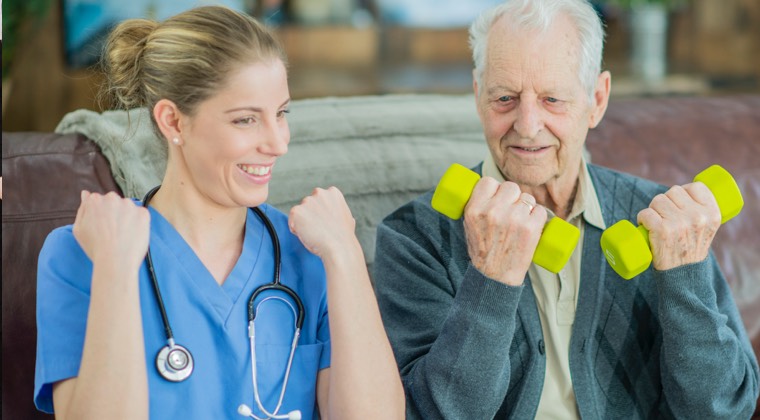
[369, 47]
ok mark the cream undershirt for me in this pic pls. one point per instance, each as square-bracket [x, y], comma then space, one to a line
[556, 298]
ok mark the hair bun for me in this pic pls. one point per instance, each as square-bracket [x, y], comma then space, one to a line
[122, 61]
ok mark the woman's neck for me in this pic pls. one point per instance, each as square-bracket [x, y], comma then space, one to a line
[215, 233]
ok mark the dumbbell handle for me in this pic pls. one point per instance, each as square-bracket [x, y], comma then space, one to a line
[635, 253]
[558, 239]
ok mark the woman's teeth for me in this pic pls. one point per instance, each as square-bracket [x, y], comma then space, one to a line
[531, 149]
[256, 170]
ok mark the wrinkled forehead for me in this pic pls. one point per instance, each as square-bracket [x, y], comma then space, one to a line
[554, 45]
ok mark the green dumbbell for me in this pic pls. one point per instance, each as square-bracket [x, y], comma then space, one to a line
[557, 242]
[626, 246]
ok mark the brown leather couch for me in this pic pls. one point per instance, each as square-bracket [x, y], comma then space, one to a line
[667, 140]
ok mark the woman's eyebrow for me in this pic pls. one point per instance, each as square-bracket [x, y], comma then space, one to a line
[253, 108]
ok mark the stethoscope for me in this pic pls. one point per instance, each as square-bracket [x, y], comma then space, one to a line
[175, 362]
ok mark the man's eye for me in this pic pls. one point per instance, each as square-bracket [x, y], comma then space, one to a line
[505, 99]
[282, 113]
[552, 100]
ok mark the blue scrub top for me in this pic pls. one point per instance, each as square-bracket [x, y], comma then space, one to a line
[211, 321]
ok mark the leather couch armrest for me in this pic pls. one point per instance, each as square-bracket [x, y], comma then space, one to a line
[43, 176]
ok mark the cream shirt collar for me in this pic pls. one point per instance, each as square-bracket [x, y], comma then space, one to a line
[586, 200]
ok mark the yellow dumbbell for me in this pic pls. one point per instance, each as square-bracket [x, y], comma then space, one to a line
[557, 242]
[626, 246]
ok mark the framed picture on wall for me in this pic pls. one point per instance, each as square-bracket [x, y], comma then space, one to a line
[86, 23]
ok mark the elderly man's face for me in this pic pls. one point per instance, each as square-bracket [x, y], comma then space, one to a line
[534, 110]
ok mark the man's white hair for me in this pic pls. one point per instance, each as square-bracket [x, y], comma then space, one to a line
[540, 15]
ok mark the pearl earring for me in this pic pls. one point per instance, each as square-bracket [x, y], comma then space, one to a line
[175, 140]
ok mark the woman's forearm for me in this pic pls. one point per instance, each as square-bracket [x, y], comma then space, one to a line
[112, 381]
[364, 379]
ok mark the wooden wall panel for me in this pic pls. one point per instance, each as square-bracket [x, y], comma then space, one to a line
[714, 40]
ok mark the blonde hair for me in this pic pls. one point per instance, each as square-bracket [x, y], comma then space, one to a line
[185, 59]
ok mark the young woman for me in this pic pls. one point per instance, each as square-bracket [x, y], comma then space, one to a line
[201, 301]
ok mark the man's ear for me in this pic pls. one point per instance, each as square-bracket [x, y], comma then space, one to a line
[167, 118]
[475, 85]
[601, 98]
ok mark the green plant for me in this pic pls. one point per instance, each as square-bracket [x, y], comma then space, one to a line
[20, 18]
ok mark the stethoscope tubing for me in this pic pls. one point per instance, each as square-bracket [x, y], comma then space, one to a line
[293, 344]
[275, 285]
[156, 289]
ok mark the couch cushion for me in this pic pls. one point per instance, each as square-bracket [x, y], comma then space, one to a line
[380, 151]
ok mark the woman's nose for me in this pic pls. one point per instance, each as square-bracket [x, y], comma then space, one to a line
[277, 139]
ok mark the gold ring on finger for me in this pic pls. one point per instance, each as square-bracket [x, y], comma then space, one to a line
[527, 203]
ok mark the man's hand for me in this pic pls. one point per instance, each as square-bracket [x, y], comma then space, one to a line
[502, 226]
[681, 224]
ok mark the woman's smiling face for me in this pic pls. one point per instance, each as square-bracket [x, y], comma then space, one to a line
[230, 144]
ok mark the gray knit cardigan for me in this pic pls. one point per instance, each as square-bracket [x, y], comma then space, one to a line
[666, 344]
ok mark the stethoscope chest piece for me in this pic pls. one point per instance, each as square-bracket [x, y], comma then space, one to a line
[174, 363]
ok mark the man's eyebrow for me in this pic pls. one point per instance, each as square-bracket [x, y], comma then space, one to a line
[498, 88]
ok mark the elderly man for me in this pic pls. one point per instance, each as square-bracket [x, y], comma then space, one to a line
[481, 332]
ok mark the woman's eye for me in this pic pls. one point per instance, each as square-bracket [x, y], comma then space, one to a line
[245, 120]
[282, 113]
[505, 99]
[552, 100]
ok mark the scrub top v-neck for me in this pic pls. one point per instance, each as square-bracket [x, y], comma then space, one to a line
[208, 319]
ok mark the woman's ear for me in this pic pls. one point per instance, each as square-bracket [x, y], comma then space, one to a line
[167, 118]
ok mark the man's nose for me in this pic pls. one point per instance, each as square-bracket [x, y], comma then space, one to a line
[528, 122]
